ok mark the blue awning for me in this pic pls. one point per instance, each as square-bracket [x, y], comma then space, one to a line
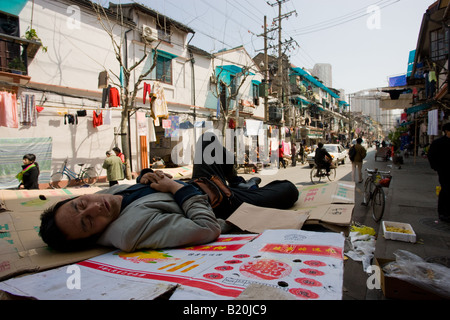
[412, 56]
[420, 107]
[166, 55]
[314, 81]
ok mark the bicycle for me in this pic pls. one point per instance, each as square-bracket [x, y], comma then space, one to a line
[66, 177]
[317, 174]
[373, 191]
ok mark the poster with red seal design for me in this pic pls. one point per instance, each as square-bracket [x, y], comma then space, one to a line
[307, 265]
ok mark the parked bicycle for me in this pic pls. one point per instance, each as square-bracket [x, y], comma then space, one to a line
[374, 193]
[318, 173]
[87, 176]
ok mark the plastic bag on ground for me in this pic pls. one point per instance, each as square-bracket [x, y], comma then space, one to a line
[413, 269]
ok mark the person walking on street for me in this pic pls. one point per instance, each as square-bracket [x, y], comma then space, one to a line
[281, 157]
[438, 157]
[113, 166]
[29, 175]
[119, 153]
[302, 153]
[294, 154]
[357, 159]
[322, 158]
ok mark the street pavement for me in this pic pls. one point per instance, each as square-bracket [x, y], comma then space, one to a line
[411, 198]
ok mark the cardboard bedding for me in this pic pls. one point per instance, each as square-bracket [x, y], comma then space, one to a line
[22, 251]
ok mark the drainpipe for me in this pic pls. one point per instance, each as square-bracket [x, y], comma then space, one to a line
[192, 60]
[128, 116]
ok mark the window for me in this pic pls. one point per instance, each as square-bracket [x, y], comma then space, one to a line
[233, 87]
[163, 33]
[164, 69]
[255, 94]
[439, 44]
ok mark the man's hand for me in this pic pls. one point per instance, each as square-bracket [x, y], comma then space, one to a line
[151, 177]
[161, 181]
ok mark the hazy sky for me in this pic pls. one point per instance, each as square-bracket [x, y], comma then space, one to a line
[364, 48]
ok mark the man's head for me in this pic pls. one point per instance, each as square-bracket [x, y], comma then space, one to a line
[446, 129]
[359, 141]
[320, 145]
[75, 224]
[116, 150]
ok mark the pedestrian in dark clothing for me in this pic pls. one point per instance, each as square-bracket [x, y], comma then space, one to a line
[302, 153]
[29, 175]
[322, 158]
[294, 154]
[438, 156]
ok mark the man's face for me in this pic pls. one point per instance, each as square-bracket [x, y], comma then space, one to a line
[87, 215]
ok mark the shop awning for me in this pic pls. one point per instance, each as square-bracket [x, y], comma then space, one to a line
[418, 108]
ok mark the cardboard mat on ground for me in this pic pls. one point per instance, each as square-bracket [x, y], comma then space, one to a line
[21, 248]
[299, 264]
[330, 204]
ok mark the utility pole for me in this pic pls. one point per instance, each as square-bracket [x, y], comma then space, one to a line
[280, 72]
[266, 74]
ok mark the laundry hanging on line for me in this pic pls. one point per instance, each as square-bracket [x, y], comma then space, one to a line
[28, 112]
[97, 118]
[8, 110]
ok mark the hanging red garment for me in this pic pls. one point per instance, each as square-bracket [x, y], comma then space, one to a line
[8, 110]
[114, 98]
[147, 91]
[97, 119]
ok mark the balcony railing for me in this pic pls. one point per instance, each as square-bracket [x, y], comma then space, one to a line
[16, 53]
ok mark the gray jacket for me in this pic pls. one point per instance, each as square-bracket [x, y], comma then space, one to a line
[156, 221]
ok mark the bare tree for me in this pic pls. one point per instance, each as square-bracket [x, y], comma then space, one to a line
[230, 90]
[128, 90]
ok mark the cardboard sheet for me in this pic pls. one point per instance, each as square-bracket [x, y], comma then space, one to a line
[21, 248]
[258, 219]
[305, 265]
[329, 204]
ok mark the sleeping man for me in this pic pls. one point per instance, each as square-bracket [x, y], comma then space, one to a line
[159, 212]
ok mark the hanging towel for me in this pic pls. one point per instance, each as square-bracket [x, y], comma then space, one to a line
[28, 114]
[107, 117]
[433, 122]
[8, 110]
[122, 79]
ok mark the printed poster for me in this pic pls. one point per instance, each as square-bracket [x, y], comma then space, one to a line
[307, 265]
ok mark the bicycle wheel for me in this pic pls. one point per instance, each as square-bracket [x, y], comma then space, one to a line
[378, 203]
[369, 188]
[315, 175]
[59, 180]
[332, 174]
[89, 176]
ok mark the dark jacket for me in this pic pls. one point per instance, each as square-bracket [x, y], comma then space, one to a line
[30, 178]
[319, 158]
[439, 154]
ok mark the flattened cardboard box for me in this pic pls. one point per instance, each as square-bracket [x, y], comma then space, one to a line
[21, 248]
[329, 204]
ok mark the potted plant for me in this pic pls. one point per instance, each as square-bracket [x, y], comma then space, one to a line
[17, 66]
[31, 34]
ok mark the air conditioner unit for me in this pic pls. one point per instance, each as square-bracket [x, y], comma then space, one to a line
[149, 33]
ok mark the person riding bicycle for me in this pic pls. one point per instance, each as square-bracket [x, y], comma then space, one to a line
[322, 158]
